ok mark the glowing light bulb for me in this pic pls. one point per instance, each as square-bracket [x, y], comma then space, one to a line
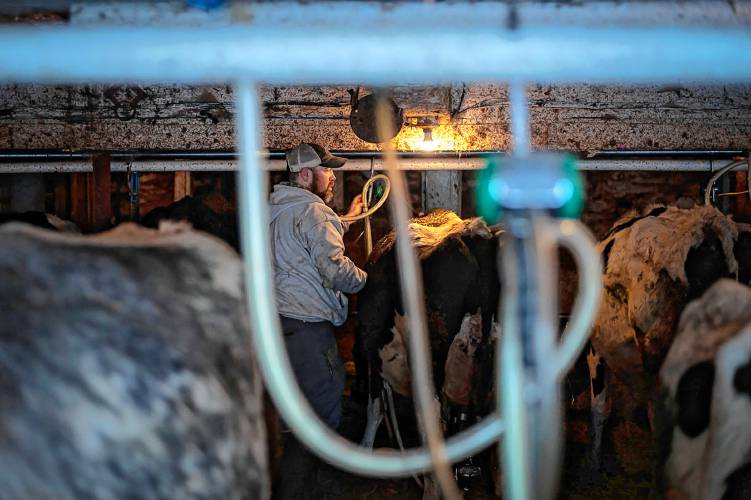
[428, 144]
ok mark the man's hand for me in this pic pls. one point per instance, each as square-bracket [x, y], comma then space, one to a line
[355, 208]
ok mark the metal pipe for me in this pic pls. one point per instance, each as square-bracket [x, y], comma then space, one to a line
[546, 418]
[727, 168]
[353, 165]
[441, 51]
[7, 156]
[531, 359]
[532, 365]
[511, 381]
[516, 451]
[519, 118]
[667, 153]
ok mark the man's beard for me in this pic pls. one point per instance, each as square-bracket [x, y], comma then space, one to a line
[325, 192]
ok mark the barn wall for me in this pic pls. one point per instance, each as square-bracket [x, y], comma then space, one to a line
[579, 118]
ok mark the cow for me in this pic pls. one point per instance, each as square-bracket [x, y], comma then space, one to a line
[126, 368]
[742, 253]
[460, 277]
[704, 403]
[655, 263]
[458, 259]
[199, 214]
[41, 219]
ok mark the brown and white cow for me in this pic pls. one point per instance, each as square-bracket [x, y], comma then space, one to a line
[654, 265]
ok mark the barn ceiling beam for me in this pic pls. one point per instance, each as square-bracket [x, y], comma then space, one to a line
[428, 43]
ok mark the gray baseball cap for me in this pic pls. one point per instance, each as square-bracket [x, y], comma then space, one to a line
[309, 155]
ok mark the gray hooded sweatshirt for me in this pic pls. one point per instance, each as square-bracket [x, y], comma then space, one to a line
[311, 273]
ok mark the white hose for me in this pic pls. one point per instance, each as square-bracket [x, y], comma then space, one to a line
[579, 241]
[531, 449]
[366, 189]
[370, 211]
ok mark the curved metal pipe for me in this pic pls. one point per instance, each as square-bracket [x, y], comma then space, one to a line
[727, 168]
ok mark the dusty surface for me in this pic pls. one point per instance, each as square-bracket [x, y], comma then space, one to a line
[579, 118]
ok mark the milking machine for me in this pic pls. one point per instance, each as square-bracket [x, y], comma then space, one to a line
[534, 194]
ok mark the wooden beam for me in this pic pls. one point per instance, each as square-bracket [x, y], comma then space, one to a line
[183, 185]
[91, 206]
[579, 118]
[101, 193]
[442, 189]
[61, 193]
[79, 200]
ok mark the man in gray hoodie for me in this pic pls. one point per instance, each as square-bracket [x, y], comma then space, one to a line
[311, 275]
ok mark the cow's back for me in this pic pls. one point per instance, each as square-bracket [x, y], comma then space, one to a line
[126, 369]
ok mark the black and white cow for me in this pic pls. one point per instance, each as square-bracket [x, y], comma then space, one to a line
[41, 219]
[742, 252]
[460, 277]
[458, 260]
[125, 368]
[704, 408]
[194, 209]
[654, 264]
